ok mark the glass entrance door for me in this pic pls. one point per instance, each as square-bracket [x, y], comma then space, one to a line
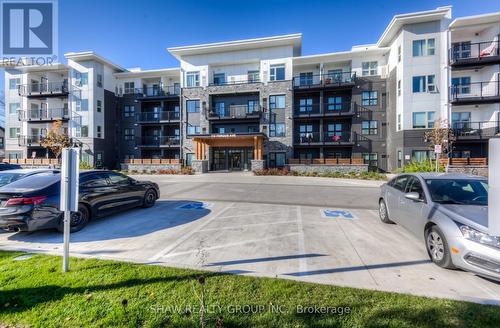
[231, 159]
[235, 160]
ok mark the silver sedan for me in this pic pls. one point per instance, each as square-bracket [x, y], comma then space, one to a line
[450, 213]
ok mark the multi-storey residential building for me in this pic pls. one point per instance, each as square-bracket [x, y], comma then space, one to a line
[252, 103]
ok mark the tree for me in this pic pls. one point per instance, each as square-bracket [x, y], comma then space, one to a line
[56, 139]
[441, 135]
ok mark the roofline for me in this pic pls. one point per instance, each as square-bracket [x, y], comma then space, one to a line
[465, 18]
[440, 11]
[176, 51]
[352, 53]
[130, 73]
[93, 55]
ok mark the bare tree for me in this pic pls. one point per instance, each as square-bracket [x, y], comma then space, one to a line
[56, 139]
[441, 135]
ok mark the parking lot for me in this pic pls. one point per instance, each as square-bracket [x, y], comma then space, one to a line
[269, 226]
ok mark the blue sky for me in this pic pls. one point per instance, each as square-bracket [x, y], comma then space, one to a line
[136, 33]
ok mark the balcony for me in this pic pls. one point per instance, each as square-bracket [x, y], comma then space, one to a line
[158, 117]
[342, 138]
[46, 114]
[328, 109]
[159, 141]
[332, 80]
[154, 93]
[235, 82]
[29, 140]
[475, 130]
[43, 90]
[465, 55]
[475, 93]
[235, 112]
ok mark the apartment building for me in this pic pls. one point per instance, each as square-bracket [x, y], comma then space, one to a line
[247, 104]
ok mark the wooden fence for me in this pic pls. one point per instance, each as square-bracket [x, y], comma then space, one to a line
[152, 161]
[32, 161]
[464, 161]
[327, 161]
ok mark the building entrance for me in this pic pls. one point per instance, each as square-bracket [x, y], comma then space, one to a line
[231, 159]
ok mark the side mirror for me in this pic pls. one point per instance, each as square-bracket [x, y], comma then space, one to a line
[414, 196]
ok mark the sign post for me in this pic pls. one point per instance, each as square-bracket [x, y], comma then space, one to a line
[438, 149]
[69, 195]
[494, 187]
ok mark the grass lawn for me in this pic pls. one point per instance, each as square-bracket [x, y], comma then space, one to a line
[34, 292]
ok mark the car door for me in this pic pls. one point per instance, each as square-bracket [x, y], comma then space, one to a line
[411, 212]
[128, 194]
[394, 192]
[97, 191]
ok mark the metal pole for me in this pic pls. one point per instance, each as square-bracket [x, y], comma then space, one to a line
[67, 219]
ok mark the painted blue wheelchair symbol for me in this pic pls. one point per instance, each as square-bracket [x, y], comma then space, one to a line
[338, 214]
[194, 206]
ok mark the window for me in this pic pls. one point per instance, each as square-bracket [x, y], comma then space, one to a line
[84, 131]
[418, 84]
[369, 127]
[14, 107]
[400, 158]
[460, 120]
[99, 131]
[399, 54]
[189, 159]
[192, 79]
[460, 85]
[369, 98]
[334, 131]
[99, 106]
[193, 129]
[193, 106]
[369, 68]
[431, 118]
[277, 130]
[431, 84]
[129, 87]
[399, 88]
[399, 183]
[277, 159]
[220, 108]
[420, 155]
[129, 111]
[277, 102]
[277, 72]
[306, 105]
[99, 80]
[253, 76]
[219, 78]
[371, 159]
[420, 120]
[94, 180]
[334, 103]
[399, 122]
[461, 50]
[253, 106]
[306, 78]
[119, 179]
[415, 186]
[14, 83]
[424, 47]
[129, 134]
[14, 132]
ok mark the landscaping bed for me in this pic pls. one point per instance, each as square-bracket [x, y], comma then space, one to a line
[332, 174]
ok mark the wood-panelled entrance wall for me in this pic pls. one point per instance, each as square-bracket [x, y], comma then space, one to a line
[229, 140]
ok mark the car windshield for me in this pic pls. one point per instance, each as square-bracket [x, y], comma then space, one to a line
[6, 178]
[458, 191]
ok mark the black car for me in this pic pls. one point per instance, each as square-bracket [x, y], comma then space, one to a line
[32, 203]
[7, 166]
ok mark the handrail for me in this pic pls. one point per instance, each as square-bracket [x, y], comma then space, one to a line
[43, 88]
[158, 91]
[235, 111]
[43, 114]
[476, 129]
[325, 137]
[160, 140]
[158, 116]
[475, 89]
[475, 50]
[234, 82]
[325, 79]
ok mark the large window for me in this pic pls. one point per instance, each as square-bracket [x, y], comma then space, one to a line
[14, 107]
[129, 111]
[82, 131]
[277, 130]
[306, 78]
[423, 120]
[460, 85]
[193, 129]
[420, 155]
[305, 105]
[129, 134]
[369, 68]
[129, 87]
[277, 159]
[193, 106]
[277, 102]
[371, 159]
[460, 120]
[14, 83]
[14, 132]
[219, 78]
[369, 98]
[424, 83]
[334, 131]
[424, 47]
[277, 72]
[334, 103]
[461, 50]
[369, 127]
[192, 79]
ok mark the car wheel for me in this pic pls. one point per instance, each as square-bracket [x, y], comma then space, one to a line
[437, 248]
[78, 219]
[149, 198]
[382, 212]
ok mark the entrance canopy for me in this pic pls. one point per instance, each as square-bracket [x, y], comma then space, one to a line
[233, 140]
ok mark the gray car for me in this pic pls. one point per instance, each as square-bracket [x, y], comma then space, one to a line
[450, 213]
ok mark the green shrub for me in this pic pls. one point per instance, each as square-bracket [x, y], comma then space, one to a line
[421, 166]
[85, 166]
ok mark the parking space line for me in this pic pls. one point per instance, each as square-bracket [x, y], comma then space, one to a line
[188, 235]
[249, 214]
[301, 241]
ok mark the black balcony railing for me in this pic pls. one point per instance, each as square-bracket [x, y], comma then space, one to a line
[235, 111]
[157, 91]
[328, 79]
[44, 89]
[158, 116]
[234, 82]
[159, 141]
[327, 137]
[475, 91]
[328, 109]
[44, 114]
[472, 52]
[475, 130]
[29, 140]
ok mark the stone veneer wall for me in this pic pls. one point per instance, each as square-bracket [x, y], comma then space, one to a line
[150, 167]
[481, 170]
[322, 168]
